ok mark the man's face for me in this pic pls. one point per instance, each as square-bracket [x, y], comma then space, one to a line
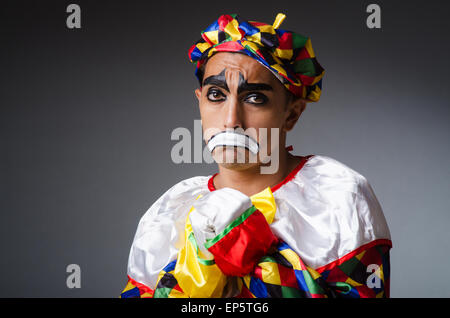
[238, 92]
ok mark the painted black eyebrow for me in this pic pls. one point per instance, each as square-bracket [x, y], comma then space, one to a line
[220, 81]
[213, 80]
[253, 87]
[244, 86]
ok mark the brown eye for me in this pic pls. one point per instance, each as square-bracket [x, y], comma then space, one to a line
[256, 98]
[215, 95]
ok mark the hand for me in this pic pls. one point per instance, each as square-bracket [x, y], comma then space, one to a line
[214, 212]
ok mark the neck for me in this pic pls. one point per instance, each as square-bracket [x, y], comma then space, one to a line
[251, 181]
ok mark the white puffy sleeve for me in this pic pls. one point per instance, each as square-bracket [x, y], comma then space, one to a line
[160, 233]
[328, 211]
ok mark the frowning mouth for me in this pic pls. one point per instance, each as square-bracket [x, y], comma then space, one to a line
[233, 139]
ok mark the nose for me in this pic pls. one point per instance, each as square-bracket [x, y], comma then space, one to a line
[233, 115]
[233, 109]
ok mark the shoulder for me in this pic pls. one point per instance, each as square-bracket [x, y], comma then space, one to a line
[335, 207]
[328, 178]
[173, 202]
[331, 172]
[350, 195]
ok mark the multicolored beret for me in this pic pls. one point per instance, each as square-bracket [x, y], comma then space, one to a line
[288, 55]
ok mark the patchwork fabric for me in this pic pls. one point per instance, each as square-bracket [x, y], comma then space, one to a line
[286, 54]
[284, 275]
[167, 286]
[133, 289]
[363, 273]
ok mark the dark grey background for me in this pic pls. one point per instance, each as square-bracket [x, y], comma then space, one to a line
[86, 117]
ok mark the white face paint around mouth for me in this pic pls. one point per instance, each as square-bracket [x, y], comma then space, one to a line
[232, 139]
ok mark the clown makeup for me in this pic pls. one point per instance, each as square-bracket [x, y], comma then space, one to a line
[234, 139]
[243, 86]
[239, 93]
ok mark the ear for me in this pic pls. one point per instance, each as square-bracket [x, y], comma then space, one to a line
[198, 93]
[294, 110]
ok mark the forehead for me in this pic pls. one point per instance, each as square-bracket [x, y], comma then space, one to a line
[251, 69]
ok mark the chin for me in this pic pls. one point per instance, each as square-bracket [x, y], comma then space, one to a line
[238, 166]
[234, 158]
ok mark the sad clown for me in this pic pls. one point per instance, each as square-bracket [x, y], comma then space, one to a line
[313, 227]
